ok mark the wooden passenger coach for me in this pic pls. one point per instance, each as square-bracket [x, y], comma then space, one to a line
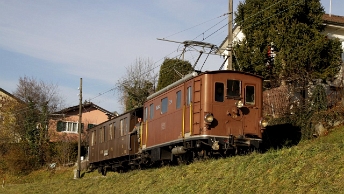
[111, 140]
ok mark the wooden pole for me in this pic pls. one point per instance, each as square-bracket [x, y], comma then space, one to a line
[230, 35]
[79, 130]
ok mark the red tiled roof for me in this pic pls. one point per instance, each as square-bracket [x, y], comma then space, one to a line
[84, 105]
[333, 19]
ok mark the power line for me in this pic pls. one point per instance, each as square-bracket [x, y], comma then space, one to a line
[197, 25]
[100, 94]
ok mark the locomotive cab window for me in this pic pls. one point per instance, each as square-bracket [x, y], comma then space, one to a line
[145, 115]
[249, 95]
[151, 111]
[179, 99]
[189, 96]
[233, 88]
[164, 104]
[219, 95]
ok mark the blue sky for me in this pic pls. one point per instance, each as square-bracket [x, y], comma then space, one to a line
[61, 41]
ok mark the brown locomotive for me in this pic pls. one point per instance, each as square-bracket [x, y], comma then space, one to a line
[202, 115]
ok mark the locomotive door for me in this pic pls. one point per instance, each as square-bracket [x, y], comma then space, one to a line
[251, 109]
[236, 118]
[196, 109]
[187, 109]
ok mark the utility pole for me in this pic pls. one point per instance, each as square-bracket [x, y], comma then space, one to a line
[330, 7]
[79, 131]
[230, 35]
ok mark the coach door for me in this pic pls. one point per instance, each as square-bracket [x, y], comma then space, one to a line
[93, 149]
[124, 137]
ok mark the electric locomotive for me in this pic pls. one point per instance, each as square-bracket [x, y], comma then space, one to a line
[204, 114]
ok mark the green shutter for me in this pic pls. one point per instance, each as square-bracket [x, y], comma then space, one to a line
[59, 126]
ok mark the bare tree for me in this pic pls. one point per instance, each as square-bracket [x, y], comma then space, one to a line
[40, 101]
[41, 94]
[137, 84]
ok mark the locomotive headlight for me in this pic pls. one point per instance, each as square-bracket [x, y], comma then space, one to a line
[263, 123]
[208, 118]
[239, 104]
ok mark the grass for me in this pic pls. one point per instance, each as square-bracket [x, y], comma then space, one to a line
[314, 166]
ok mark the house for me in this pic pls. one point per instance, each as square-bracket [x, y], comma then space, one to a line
[7, 119]
[63, 125]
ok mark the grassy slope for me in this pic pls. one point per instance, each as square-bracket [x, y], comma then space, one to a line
[315, 166]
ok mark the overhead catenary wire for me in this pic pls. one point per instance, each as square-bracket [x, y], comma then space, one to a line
[196, 25]
[100, 94]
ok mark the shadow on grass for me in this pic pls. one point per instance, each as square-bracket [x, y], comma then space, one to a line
[281, 135]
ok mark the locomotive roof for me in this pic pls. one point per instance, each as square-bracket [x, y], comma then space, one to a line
[195, 74]
[231, 71]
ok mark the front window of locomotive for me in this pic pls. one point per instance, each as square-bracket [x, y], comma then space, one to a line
[233, 89]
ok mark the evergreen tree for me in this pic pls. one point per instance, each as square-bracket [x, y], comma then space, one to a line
[292, 29]
[172, 70]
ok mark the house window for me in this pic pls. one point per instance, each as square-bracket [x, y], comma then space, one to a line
[179, 99]
[89, 126]
[69, 127]
[189, 96]
[151, 111]
[233, 88]
[219, 95]
[164, 104]
[249, 95]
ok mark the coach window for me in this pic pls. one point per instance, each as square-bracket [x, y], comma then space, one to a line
[93, 141]
[219, 94]
[179, 99]
[102, 134]
[126, 125]
[151, 111]
[164, 103]
[189, 96]
[233, 88]
[111, 131]
[121, 127]
[249, 95]
[114, 130]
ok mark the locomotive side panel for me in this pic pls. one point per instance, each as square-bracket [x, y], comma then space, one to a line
[164, 118]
